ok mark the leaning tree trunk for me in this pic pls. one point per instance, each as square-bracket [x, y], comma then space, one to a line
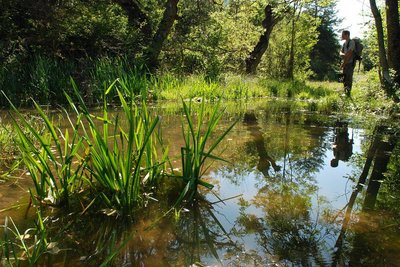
[393, 33]
[381, 43]
[164, 28]
[255, 56]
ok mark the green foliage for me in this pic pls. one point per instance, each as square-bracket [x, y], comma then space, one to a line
[40, 77]
[7, 148]
[71, 28]
[106, 69]
[45, 43]
[368, 94]
[325, 54]
[276, 63]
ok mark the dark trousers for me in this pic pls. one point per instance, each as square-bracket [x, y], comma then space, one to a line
[348, 71]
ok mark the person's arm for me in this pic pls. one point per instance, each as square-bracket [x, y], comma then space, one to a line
[349, 54]
[347, 57]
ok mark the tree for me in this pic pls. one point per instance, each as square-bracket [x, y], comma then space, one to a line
[383, 60]
[164, 29]
[297, 8]
[137, 17]
[268, 23]
[381, 42]
[393, 34]
[324, 58]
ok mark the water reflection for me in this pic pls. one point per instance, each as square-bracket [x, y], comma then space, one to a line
[284, 226]
[343, 145]
[281, 166]
[151, 239]
[367, 247]
[265, 161]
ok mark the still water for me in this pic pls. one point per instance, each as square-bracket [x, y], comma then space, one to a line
[292, 194]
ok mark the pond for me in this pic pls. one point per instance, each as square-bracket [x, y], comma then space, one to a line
[293, 192]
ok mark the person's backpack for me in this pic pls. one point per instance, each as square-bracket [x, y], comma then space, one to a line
[357, 50]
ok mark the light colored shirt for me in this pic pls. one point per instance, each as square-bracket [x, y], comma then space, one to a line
[347, 46]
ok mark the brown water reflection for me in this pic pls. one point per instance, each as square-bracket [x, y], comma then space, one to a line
[289, 206]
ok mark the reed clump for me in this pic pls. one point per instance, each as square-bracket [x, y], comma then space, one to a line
[198, 153]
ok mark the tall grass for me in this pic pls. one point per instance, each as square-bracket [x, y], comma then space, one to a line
[8, 149]
[39, 77]
[45, 79]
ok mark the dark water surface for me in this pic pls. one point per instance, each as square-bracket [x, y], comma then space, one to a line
[285, 202]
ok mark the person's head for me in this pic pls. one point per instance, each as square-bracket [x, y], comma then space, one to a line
[334, 163]
[345, 35]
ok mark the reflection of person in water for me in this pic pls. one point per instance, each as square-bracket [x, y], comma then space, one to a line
[265, 161]
[342, 146]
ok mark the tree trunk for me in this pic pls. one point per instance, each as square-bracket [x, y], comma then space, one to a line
[290, 70]
[164, 28]
[381, 43]
[393, 33]
[255, 56]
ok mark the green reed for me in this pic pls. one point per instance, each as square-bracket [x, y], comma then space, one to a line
[122, 155]
[52, 157]
[197, 151]
[105, 70]
[24, 249]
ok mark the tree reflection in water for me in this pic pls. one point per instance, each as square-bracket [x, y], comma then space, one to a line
[195, 237]
[265, 161]
[287, 231]
[290, 233]
[282, 221]
[374, 237]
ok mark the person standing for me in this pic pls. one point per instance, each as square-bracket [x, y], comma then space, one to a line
[347, 55]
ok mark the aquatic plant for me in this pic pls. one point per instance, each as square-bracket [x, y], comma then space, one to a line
[8, 150]
[122, 157]
[51, 157]
[106, 70]
[18, 248]
[196, 150]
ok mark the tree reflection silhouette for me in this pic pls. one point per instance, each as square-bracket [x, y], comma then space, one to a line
[367, 248]
[265, 161]
[287, 231]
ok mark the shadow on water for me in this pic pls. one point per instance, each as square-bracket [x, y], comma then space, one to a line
[295, 209]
